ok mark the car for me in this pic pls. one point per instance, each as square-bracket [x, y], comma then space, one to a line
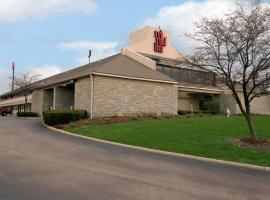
[4, 112]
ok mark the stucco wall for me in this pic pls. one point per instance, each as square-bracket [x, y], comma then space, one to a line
[83, 95]
[115, 96]
[143, 40]
[37, 101]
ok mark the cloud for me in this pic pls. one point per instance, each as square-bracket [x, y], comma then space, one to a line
[180, 19]
[4, 81]
[17, 10]
[46, 70]
[99, 49]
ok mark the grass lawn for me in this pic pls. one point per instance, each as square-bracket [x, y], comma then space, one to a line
[206, 137]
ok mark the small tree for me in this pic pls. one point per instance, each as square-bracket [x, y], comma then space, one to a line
[24, 82]
[237, 48]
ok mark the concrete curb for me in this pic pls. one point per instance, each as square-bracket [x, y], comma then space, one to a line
[30, 118]
[221, 162]
[13, 116]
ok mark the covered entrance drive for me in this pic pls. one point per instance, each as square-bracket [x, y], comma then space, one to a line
[59, 97]
[196, 97]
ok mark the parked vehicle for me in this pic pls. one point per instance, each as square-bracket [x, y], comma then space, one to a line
[4, 112]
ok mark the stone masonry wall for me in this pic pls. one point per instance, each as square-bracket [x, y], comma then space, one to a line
[37, 101]
[115, 96]
[63, 97]
[83, 95]
[259, 105]
[47, 99]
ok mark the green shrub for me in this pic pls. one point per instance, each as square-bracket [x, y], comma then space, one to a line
[152, 115]
[136, 118]
[202, 115]
[195, 112]
[55, 117]
[188, 112]
[72, 125]
[212, 107]
[189, 115]
[184, 112]
[27, 114]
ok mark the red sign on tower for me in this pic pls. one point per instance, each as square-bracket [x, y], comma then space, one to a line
[160, 41]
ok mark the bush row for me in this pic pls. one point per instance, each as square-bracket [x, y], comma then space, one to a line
[55, 117]
[195, 112]
[27, 114]
[209, 107]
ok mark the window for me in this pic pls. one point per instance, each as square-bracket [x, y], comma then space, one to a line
[168, 71]
[176, 74]
[183, 75]
[160, 68]
[192, 76]
[201, 78]
[187, 75]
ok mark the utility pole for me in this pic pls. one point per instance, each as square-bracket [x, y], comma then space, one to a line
[13, 75]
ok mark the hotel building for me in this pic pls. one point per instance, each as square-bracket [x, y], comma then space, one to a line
[148, 76]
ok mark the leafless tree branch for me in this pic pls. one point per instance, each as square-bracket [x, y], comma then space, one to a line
[237, 48]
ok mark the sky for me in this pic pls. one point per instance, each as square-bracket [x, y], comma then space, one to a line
[50, 36]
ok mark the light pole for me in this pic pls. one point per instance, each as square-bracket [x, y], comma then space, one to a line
[89, 56]
[13, 75]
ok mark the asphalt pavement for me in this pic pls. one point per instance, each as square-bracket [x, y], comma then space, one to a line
[37, 164]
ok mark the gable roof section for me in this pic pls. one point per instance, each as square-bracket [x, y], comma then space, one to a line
[118, 65]
[127, 67]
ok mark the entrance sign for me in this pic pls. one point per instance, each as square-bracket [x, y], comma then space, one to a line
[160, 41]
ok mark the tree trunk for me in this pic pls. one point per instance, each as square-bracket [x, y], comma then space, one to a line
[251, 127]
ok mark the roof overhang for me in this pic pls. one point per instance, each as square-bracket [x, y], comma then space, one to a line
[15, 101]
[133, 78]
[200, 89]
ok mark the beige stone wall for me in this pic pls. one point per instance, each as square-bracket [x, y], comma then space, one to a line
[115, 96]
[47, 99]
[37, 101]
[260, 105]
[83, 95]
[63, 97]
[185, 101]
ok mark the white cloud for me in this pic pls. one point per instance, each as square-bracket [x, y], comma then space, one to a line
[99, 49]
[46, 70]
[17, 10]
[4, 81]
[180, 19]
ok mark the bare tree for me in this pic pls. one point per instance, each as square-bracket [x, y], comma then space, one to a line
[237, 48]
[24, 82]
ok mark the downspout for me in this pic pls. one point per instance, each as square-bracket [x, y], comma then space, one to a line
[92, 95]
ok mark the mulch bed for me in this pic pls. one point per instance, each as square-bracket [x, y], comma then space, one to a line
[122, 119]
[111, 120]
[255, 144]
